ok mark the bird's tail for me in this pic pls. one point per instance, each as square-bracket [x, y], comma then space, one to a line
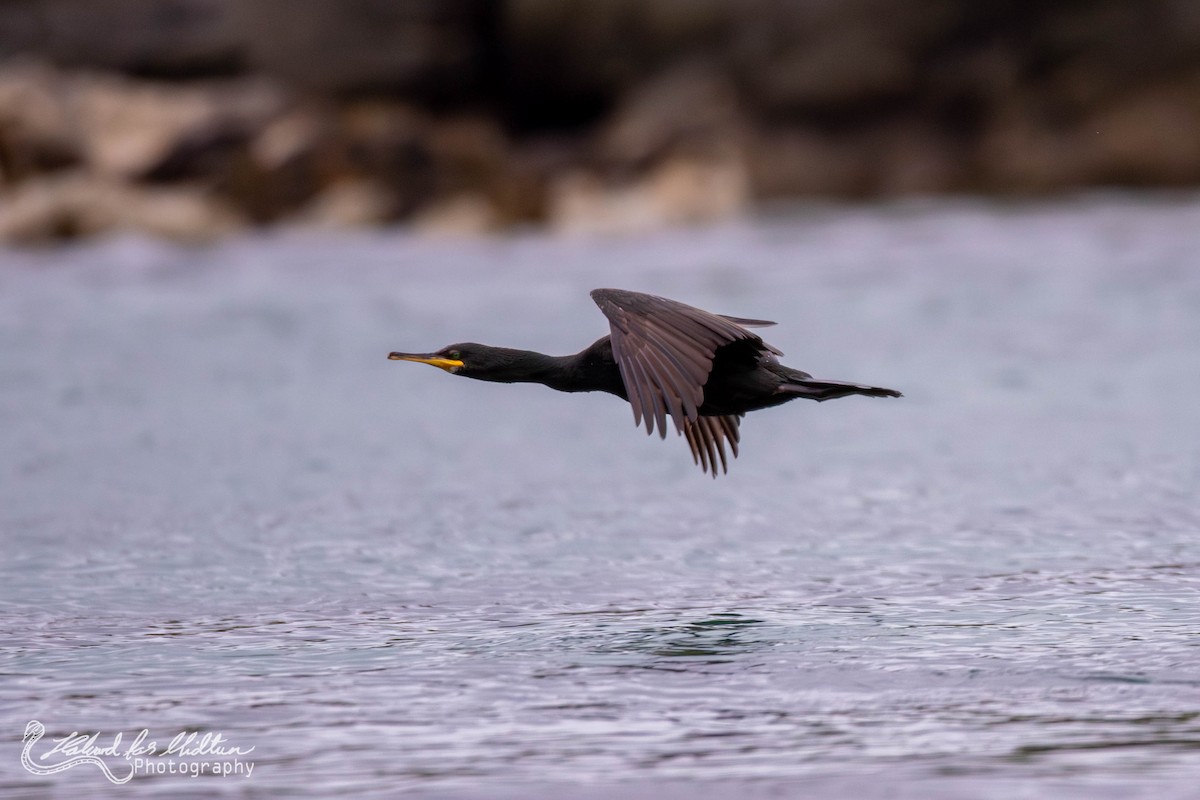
[819, 390]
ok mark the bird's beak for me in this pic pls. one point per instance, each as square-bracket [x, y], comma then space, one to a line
[441, 362]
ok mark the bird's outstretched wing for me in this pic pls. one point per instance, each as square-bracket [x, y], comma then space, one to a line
[665, 352]
[707, 436]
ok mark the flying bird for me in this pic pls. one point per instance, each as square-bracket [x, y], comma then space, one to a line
[705, 371]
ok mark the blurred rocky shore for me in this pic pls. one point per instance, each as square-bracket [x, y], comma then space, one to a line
[194, 118]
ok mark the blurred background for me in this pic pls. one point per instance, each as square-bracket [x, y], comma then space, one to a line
[194, 118]
[223, 510]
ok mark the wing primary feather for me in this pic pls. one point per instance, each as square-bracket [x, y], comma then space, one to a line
[672, 392]
[654, 398]
[697, 447]
[629, 374]
[691, 440]
[719, 437]
[631, 389]
[732, 433]
[707, 438]
[645, 399]
[646, 394]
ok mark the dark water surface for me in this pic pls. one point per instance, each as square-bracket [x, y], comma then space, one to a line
[224, 511]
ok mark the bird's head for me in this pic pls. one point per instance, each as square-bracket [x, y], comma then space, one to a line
[467, 358]
[483, 362]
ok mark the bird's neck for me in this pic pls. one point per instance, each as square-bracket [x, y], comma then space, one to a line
[526, 366]
[592, 370]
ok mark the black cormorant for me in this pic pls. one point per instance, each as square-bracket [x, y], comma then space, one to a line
[703, 370]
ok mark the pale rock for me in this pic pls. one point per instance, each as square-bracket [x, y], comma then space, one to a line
[184, 213]
[690, 109]
[37, 129]
[76, 204]
[349, 204]
[581, 203]
[466, 214]
[288, 137]
[689, 191]
[130, 127]
[680, 191]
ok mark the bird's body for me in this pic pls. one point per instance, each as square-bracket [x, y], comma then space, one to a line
[703, 370]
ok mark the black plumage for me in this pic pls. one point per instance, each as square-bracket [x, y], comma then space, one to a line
[703, 370]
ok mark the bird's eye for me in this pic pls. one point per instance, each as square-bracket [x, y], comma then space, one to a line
[454, 354]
